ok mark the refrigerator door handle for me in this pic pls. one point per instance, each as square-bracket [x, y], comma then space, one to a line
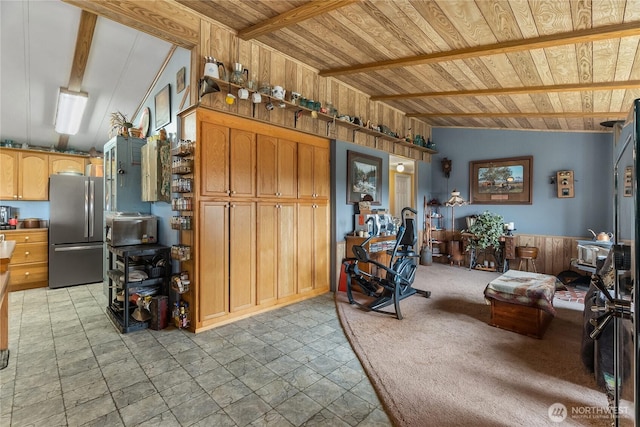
[92, 216]
[86, 208]
[76, 248]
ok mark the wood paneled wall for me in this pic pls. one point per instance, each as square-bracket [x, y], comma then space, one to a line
[267, 65]
[554, 253]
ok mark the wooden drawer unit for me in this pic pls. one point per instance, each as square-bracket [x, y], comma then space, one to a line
[29, 265]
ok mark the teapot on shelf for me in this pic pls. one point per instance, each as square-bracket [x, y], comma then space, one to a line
[602, 236]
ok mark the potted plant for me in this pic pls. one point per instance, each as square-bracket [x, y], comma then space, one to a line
[120, 124]
[487, 229]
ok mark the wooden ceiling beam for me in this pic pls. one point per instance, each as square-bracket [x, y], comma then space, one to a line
[551, 40]
[629, 84]
[84, 39]
[566, 115]
[292, 17]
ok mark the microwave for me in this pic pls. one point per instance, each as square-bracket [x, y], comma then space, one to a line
[124, 229]
[592, 253]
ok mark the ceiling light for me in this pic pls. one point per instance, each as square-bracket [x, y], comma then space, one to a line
[400, 167]
[69, 111]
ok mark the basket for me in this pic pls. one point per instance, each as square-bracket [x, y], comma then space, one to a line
[155, 272]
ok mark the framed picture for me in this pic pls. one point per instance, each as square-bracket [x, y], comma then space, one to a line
[180, 79]
[501, 181]
[163, 107]
[364, 178]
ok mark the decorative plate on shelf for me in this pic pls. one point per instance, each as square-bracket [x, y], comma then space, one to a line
[143, 125]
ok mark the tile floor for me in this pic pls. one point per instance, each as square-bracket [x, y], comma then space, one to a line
[69, 366]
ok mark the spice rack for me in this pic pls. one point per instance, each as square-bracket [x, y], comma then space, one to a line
[182, 168]
[182, 185]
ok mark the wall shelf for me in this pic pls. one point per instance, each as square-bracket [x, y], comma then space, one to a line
[329, 119]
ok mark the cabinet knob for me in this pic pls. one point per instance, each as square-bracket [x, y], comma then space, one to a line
[233, 192]
[15, 196]
[228, 191]
[26, 273]
[26, 237]
[19, 197]
[26, 253]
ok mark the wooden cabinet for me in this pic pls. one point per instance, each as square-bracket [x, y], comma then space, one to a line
[276, 259]
[313, 246]
[25, 175]
[29, 266]
[61, 163]
[249, 253]
[313, 172]
[277, 167]
[227, 161]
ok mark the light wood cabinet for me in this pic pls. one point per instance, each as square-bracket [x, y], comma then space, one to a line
[228, 161]
[277, 167]
[276, 241]
[313, 172]
[25, 175]
[59, 163]
[213, 272]
[313, 246]
[248, 221]
[29, 266]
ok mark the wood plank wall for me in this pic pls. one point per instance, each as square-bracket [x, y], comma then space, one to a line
[554, 252]
[267, 65]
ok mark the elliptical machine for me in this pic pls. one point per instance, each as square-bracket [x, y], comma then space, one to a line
[400, 273]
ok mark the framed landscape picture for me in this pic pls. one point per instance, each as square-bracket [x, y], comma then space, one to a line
[501, 181]
[364, 178]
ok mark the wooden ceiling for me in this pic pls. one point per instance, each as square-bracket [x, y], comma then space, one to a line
[537, 64]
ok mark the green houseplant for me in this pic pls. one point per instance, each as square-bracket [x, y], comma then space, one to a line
[487, 229]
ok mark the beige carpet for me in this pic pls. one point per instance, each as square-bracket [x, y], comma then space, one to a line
[443, 365]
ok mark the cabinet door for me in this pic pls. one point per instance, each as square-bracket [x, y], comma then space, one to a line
[214, 160]
[305, 168]
[313, 246]
[267, 253]
[8, 175]
[33, 176]
[213, 267]
[242, 255]
[321, 172]
[321, 227]
[287, 168]
[66, 164]
[267, 164]
[305, 246]
[287, 250]
[243, 163]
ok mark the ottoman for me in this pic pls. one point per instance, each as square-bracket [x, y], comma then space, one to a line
[522, 302]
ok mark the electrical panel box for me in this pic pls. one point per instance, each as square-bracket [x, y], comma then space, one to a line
[564, 180]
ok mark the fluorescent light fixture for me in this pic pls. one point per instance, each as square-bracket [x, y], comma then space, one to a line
[69, 111]
[400, 167]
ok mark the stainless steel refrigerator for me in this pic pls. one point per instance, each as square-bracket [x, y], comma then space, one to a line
[76, 206]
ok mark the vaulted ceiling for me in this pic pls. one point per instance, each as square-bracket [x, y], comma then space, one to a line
[520, 64]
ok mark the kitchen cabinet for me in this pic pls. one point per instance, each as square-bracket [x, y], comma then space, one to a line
[228, 161]
[248, 218]
[313, 246]
[277, 235]
[123, 260]
[25, 175]
[123, 175]
[64, 163]
[156, 171]
[29, 266]
[277, 167]
[313, 172]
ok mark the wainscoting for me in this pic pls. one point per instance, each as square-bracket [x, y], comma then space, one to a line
[554, 252]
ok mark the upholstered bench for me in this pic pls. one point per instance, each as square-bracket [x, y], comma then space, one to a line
[522, 302]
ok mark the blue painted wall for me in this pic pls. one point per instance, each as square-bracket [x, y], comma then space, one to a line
[589, 155]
